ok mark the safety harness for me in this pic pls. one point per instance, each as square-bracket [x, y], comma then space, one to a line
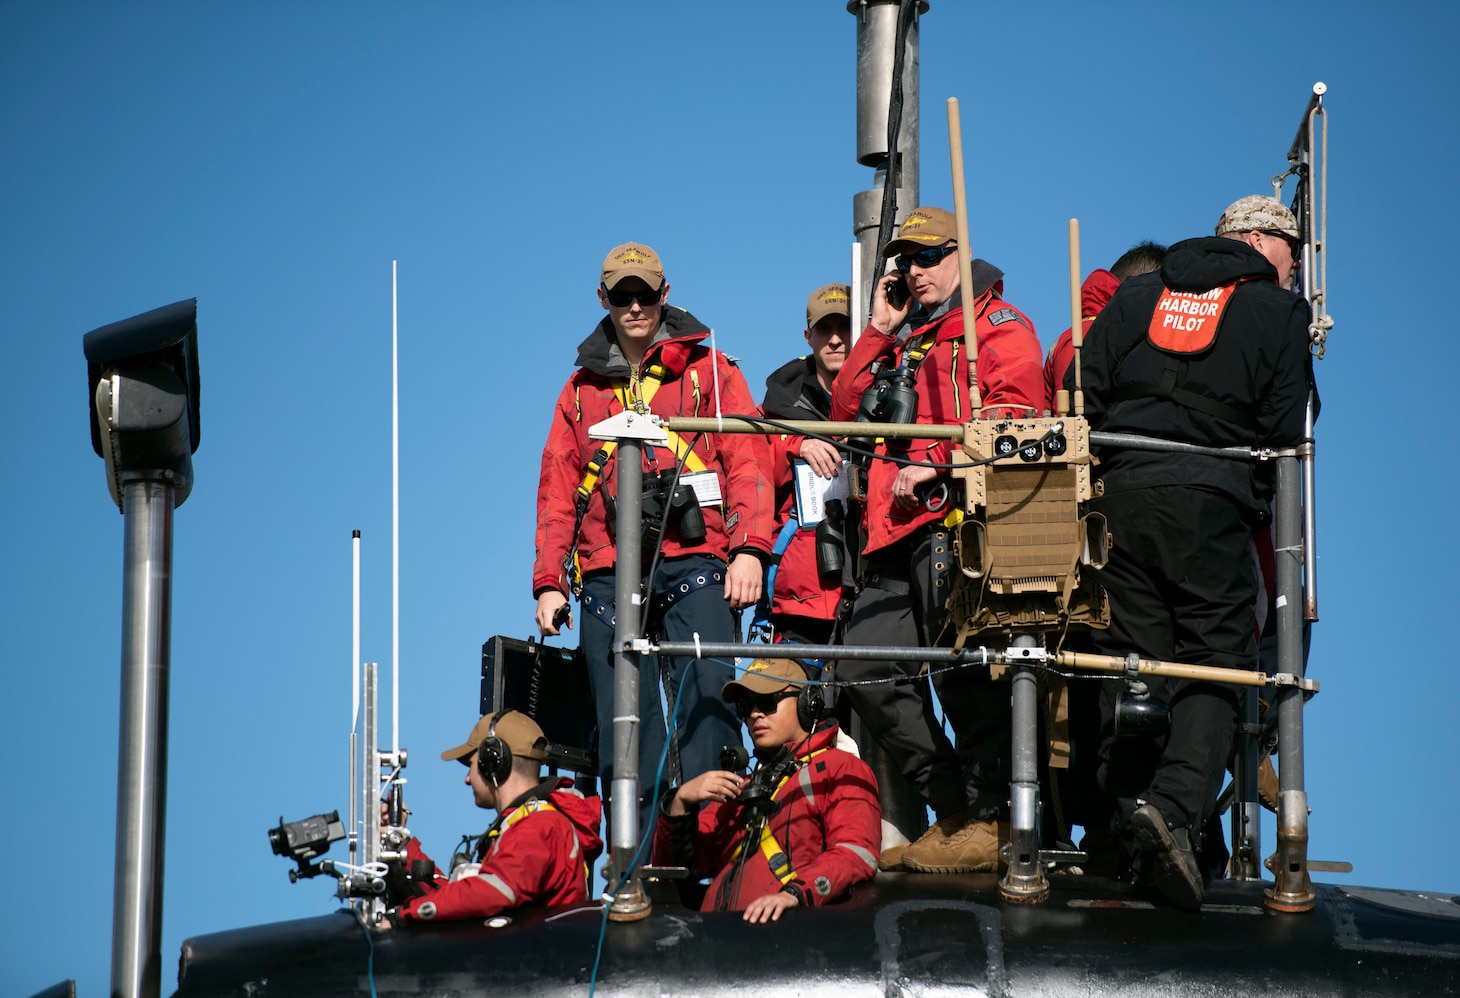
[502, 824]
[759, 829]
[635, 394]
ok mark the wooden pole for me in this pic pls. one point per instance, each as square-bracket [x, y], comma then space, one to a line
[965, 258]
[1077, 320]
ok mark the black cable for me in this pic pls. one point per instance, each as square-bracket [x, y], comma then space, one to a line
[895, 459]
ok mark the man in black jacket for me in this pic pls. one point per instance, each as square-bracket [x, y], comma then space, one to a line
[1212, 350]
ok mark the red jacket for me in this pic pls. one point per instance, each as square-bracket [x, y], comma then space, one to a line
[792, 392]
[1094, 293]
[542, 857]
[687, 389]
[1009, 374]
[829, 824]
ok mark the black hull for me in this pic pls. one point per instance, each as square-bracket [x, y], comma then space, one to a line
[909, 934]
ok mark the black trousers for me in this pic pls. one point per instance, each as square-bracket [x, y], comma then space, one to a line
[1182, 587]
[903, 603]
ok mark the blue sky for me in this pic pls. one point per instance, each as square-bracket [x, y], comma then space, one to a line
[271, 160]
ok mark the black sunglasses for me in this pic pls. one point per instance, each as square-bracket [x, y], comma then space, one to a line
[924, 258]
[1294, 245]
[766, 704]
[624, 299]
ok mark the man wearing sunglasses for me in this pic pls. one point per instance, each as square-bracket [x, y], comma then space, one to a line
[1212, 350]
[907, 556]
[808, 591]
[712, 538]
[800, 831]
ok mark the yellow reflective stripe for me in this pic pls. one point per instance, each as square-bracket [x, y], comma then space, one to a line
[957, 395]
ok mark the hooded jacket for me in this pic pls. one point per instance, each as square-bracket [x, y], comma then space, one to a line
[692, 372]
[1010, 379]
[542, 858]
[793, 392]
[1095, 293]
[829, 823]
[1248, 388]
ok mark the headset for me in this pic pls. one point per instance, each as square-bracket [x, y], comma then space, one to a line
[810, 706]
[494, 756]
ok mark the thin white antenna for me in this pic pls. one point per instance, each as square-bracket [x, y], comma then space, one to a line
[355, 700]
[715, 369]
[394, 521]
[858, 304]
[355, 641]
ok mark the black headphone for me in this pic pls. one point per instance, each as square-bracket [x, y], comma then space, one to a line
[810, 705]
[494, 756]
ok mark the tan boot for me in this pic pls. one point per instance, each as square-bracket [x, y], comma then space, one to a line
[974, 848]
[891, 858]
[1267, 784]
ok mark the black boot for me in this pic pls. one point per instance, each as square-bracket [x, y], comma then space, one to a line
[1177, 876]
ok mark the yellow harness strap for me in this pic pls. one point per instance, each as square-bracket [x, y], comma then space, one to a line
[778, 858]
[522, 811]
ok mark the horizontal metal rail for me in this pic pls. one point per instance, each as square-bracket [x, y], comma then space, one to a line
[1110, 665]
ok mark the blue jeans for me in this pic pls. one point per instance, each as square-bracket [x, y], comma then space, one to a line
[703, 723]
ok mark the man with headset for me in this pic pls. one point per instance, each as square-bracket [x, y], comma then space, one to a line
[803, 828]
[540, 848]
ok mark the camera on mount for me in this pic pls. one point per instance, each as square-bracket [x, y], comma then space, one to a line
[664, 504]
[305, 840]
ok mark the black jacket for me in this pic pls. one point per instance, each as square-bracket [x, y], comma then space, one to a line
[792, 392]
[1249, 388]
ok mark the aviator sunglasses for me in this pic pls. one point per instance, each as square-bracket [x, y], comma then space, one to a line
[766, 704]
[924, 258]
[624, 299]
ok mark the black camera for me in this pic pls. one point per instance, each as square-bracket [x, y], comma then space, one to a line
[304, 840]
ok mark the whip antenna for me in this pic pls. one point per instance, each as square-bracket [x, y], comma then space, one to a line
[394, 522]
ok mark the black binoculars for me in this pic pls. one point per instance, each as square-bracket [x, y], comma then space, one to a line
[661, 507]
[892, 398]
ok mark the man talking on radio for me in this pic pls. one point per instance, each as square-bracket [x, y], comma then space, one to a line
[539, 850]
[798, 832]
[915, 338]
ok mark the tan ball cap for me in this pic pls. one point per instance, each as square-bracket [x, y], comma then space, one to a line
[633, 260]
[519, 731]
[923, 228]
[765, 675]
[1257, 213]
[831, 299]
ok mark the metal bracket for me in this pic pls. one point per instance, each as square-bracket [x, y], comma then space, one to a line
[1301, 682]
[1027, 655]
[630, 425]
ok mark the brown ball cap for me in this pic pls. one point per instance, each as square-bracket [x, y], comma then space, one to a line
[633, 260]
[519, 731]
[831, 299]
[923, 228]
[765, 675]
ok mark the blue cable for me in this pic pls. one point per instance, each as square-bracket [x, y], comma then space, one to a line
[648, 832]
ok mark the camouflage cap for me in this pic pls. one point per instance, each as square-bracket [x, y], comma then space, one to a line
[831, 299]
[923, 228]
[1257, 213]
[765, 675]
[633, 260]
[519, 731]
